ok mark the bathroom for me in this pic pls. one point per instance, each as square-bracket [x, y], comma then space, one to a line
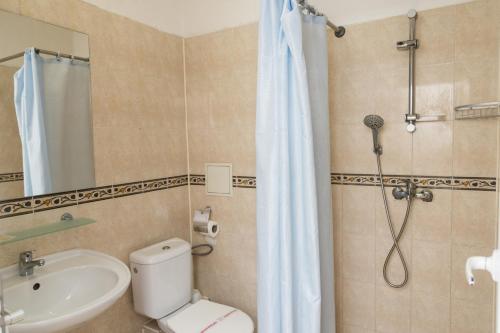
[174, 89]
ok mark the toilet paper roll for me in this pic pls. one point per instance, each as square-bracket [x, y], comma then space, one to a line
[209, 228]
[202, 215]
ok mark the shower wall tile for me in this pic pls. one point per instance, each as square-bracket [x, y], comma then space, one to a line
[476, 30]
[352, 149]
[359, 304]
[474, 218]
[476, 80]
[434, 220]
[358, 253]
[430, 313]
[434, 89]
[431, 267]
[393, 310]
[358, 208]
[435, 30]
[433, 149]
[469, 317]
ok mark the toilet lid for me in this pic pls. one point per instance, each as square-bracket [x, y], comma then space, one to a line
[208, 317]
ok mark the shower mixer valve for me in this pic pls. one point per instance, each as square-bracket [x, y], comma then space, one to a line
[411, 191]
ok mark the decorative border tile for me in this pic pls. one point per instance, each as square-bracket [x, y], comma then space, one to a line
[20, 206]
[244, 182]
[177, 181]
[197, 179]
[15, 207]
[95, 194]
[437, 182]
[11, 177]
[122, 190]
[155, 184]
[475, 183]
[55, 200]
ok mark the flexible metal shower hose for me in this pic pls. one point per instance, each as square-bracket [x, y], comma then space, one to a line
[395, 238]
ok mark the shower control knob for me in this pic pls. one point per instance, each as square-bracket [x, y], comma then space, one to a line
[411, 128]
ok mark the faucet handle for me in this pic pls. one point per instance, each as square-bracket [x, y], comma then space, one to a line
[26, 255]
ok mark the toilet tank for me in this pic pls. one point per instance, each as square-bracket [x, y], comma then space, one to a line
[161, 277]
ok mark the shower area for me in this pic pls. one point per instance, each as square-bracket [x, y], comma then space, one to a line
[439, 165]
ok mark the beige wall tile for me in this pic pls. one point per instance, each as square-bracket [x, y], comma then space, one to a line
[430, 313]
[474, 218]
[392, 310]
[358, 210]
[352, 149]
[476, 27]
[358, 257]
[474, 148]
[432, 221]
[431, 266]
[359, 304]
[432, 149]
[435, 30]
[469, 317]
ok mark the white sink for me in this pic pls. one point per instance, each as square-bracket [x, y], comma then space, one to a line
[73, 287]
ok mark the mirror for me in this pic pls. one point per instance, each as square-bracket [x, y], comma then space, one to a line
[46, 138]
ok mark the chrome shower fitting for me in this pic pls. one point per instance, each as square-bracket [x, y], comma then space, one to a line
[411, 45]
[374, 122]
[411, 191]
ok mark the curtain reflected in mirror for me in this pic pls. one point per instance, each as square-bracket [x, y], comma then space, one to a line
[52, 108]
[46, 135]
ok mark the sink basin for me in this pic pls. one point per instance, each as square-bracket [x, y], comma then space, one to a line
[73, 287]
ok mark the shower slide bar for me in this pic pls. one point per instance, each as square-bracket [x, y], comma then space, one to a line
[310, 10]
[47, 52]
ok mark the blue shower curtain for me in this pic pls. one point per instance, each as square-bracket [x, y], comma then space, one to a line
[52, 101]
[29, 103]
[295, 246]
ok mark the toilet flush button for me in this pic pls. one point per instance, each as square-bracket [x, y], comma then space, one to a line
[166, 247]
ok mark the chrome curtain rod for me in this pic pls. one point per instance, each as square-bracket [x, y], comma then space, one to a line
[310, 10]
[40, 51]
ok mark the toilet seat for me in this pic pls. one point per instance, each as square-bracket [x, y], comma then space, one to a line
[207, 317]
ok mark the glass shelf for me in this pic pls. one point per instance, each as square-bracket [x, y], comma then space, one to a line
[17, 236]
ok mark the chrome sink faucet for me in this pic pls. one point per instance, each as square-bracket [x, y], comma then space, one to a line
[27, 264]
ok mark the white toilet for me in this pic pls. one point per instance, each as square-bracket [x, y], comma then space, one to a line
[161, 284]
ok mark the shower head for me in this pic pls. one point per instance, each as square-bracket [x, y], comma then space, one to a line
[374, 122]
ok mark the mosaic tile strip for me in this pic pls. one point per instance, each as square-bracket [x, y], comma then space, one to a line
[20, 206]
[95, 194]
[177, 181]
[155, 184]
[11, 177]
[197, 179]
[437, 182]
[121, 190]
[476, 183]
[53, 201]
[14, 207]
[245, 182]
